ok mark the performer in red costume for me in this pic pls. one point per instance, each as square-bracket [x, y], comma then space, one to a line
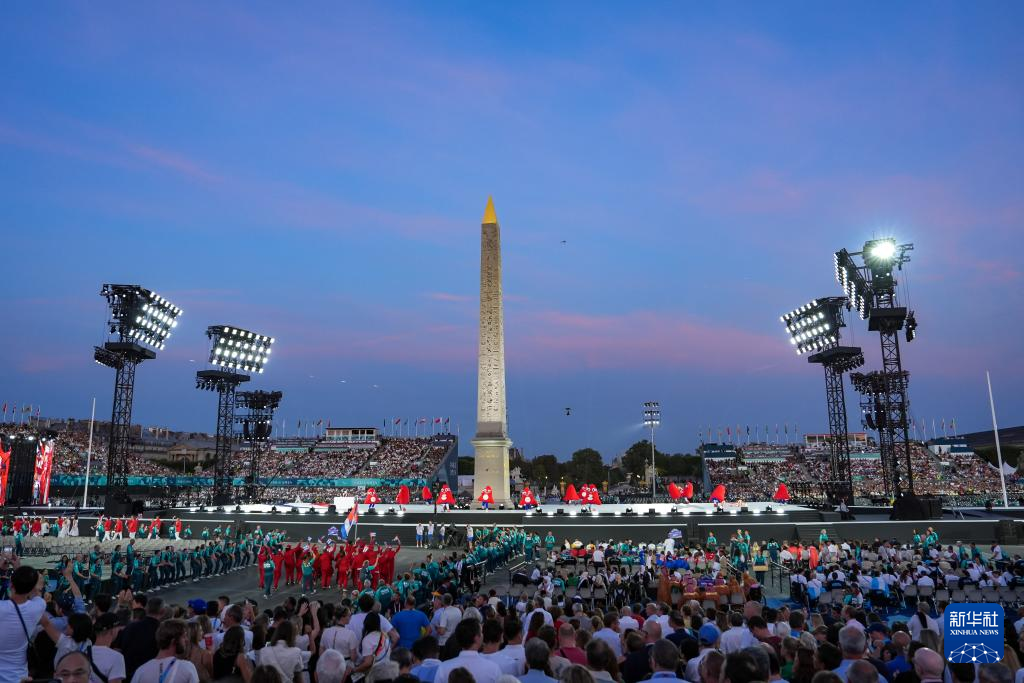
[445, 498]
[486, 497]
[262, 557]
[403, 496]
[326, 560]
[386, 563]
[289, 566]
[358, 555]
[278, 558]
[342, 560]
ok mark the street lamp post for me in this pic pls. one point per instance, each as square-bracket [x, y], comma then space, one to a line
[652, 418]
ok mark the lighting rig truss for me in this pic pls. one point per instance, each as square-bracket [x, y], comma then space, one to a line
[257, 425]
[139, 318]
[885, 392]
[236, 351]
[814, 328]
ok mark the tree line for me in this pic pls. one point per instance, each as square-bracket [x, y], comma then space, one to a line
[587, 466]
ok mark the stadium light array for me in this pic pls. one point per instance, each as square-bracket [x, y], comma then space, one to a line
[238, 349]
[848, 275]
[140, 315]
[815, 325]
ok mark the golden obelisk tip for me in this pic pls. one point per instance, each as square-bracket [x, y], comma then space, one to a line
[490, 218]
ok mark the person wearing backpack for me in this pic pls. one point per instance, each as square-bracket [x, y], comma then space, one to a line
[19, 617]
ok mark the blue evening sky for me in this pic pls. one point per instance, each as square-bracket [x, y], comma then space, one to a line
[317, 171]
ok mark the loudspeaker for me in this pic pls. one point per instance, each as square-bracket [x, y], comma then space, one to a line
[910, 507]
[933, 506]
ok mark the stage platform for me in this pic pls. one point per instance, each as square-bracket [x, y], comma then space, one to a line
[649, 523]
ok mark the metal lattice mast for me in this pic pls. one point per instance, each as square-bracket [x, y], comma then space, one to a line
[119, 445]
[839, 447]
[223, 470]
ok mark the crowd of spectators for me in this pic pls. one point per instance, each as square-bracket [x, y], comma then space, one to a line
[958, 479]
[601, 612]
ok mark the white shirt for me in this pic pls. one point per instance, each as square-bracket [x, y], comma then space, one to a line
[529, 617]
[612, 638]
[517, 653]
[598, 555]
[376, 645]
[109, 662]
[693, 666]
[506, 665]
[483, 670]
[628, 622]
[447, 618]
[916, 628]
[218, 638]
[67, 644]
[183, 671]
[341, 639]
[13, 665]
[355, 624]
[736, 638]
[288, 660]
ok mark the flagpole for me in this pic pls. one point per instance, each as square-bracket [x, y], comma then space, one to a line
[88, 457]
[995, 432]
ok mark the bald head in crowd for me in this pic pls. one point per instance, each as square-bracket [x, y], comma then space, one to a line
[928, 664]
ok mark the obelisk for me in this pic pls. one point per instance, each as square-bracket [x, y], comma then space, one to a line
[491, 443]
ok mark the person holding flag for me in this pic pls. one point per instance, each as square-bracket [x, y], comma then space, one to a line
[350, 522]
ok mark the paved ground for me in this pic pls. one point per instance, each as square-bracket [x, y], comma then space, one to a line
[244, 583]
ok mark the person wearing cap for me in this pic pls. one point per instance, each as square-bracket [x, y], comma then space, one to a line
[707, 637]
[196, 608]
[878, 638]
[106, 661]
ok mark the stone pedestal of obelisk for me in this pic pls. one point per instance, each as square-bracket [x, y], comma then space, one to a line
[491, 442]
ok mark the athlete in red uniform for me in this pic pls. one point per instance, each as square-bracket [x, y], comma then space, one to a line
[278, 565]
[261, 557]
[326, 561]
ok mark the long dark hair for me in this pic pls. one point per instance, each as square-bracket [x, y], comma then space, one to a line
[371, 624]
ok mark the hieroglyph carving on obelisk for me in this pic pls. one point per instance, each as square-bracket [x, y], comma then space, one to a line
[491, 443]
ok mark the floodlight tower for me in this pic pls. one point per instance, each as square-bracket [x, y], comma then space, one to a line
[885, 392]
[235, 351]
[652, 419]
[257, 425]
[814, 329]
[139, 318]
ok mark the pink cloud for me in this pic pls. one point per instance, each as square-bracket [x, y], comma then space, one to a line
[174, 161]
[448, 296]
[637, 339]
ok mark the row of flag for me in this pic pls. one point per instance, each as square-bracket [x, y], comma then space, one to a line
[27, 409]
[740, 431]
[421, 421]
